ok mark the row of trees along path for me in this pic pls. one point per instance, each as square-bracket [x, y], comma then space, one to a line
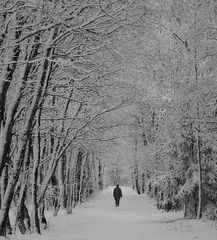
[55, 90]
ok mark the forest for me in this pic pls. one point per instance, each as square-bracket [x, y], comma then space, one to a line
[76, 75]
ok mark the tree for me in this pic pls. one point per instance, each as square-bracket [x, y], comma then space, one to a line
[51, 52]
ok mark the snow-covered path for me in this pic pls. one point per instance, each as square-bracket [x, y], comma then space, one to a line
[135, 219]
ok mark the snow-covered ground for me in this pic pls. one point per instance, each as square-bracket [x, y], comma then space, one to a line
[136, 219]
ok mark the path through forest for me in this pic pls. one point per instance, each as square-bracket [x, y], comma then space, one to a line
[136, 219]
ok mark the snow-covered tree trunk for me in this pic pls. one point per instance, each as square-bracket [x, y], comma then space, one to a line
[61, 181]
[7, 127]
[62, 161]
[22, 217]
[25, 135]
[69, 183]
[12, 56]
[4, 183]
[198, 117]
[101, 173]
[81, 181]
[35, 172]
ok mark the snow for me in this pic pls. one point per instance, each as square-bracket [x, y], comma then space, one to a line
[136, 219]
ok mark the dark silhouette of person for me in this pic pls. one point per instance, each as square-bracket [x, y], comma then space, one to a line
[117, 194]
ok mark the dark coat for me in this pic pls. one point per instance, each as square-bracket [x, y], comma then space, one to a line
[117, 193]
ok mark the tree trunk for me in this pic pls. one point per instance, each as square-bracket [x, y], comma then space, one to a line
[22, 218]
[199, 169]
[35, 217]
[44, 224]
[4, 184]
[80, 180]
[7, 127]
[69, 181]
[199, 210]
[101, 169]
[191, 205]
[61, 168]
[8, 72]
[24, 137]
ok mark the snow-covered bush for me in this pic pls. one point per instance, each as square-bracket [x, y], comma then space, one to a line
[164, 190]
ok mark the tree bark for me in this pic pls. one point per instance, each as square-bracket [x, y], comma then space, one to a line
[35, 217]
[25, 135]
[7, 127]
[22, 218]
[8, 72]
[199, 168]
[4, 184]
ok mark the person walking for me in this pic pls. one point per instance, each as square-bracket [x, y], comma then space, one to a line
[117, 194]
